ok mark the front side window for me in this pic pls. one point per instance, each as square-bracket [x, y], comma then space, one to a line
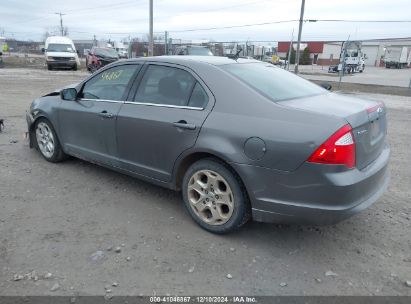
[274, 83]
[165, 85]
[110, 84]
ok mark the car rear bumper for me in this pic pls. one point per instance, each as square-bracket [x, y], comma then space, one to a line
[314, 194]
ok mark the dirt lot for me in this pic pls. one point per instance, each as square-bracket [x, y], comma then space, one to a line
[371, 75]
[63, 219]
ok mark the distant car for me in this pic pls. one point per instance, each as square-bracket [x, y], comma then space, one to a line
[98, 57]
[240, 138]
[193, 50]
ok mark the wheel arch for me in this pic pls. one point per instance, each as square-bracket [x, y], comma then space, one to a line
[185, 162]
[40, 115]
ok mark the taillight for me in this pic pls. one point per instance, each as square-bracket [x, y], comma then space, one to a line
[339, 149]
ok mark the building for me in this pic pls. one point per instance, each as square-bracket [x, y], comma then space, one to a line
[328, 52]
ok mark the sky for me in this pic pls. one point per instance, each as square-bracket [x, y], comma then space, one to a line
[116, 20]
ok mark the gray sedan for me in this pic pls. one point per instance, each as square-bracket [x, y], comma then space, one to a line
[240, 139]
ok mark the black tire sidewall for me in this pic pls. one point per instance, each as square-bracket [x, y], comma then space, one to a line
[58, 153]
[241, 205]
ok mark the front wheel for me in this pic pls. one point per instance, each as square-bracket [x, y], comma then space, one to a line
[47, 141]
[215, 196]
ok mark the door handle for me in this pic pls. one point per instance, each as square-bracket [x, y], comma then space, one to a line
[105, 114]
[182, 124]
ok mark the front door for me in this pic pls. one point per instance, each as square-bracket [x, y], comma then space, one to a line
[88, 125]
[161, 121]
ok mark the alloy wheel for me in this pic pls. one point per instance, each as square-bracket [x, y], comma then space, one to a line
[45, 139]
[210, 197]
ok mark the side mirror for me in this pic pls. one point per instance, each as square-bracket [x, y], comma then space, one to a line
[77, 51]
[326, 86]
[43, 50]
[68, 94]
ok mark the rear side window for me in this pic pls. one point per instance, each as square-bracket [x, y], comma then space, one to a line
[110, 84]
[274, 83]
[165, 85]
[199, 97]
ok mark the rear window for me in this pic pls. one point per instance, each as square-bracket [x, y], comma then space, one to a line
[274, 83]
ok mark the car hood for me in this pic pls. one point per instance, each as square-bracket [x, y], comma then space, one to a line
[57, 91]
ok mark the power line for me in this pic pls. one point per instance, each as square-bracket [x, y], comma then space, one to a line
[354, 21]
[287, 21]
[113, 5]
[231, 26]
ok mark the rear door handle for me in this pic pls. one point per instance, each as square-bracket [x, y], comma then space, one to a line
[182, 124]
[105, 114]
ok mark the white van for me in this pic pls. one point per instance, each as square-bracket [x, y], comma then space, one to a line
[60, 52]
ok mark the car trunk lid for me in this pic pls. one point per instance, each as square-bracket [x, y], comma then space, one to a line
[366, 117]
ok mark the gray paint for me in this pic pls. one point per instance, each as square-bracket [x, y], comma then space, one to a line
[266, 143]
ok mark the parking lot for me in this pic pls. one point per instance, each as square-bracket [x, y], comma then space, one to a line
[67, 219]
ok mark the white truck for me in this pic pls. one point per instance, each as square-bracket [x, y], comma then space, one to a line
[351, 58]
[397, 57]
[122, 49]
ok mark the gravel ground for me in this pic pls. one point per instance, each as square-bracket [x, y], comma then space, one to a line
[67, 220]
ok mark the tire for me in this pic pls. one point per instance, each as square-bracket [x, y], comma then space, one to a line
[75, 68]
[49, 67]
[93, 68]
[45, 138]
[210, 184]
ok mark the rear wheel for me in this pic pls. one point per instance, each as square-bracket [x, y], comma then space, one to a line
[215, 197]
[47, 141]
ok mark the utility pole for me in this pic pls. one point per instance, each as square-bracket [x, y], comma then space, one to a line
[300, 29]
[61, 23]
[342, 60]
[151, 40]
[165, 43]
[289, 50]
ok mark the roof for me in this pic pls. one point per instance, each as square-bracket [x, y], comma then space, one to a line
[313, 46]
[58, 39]
[213, 60]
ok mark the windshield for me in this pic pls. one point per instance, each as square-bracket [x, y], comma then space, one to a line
[57, 47]
[106, 53]
[274, 83]
[199, 51]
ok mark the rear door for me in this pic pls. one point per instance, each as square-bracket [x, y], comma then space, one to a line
[88, 125]
[161, 120]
